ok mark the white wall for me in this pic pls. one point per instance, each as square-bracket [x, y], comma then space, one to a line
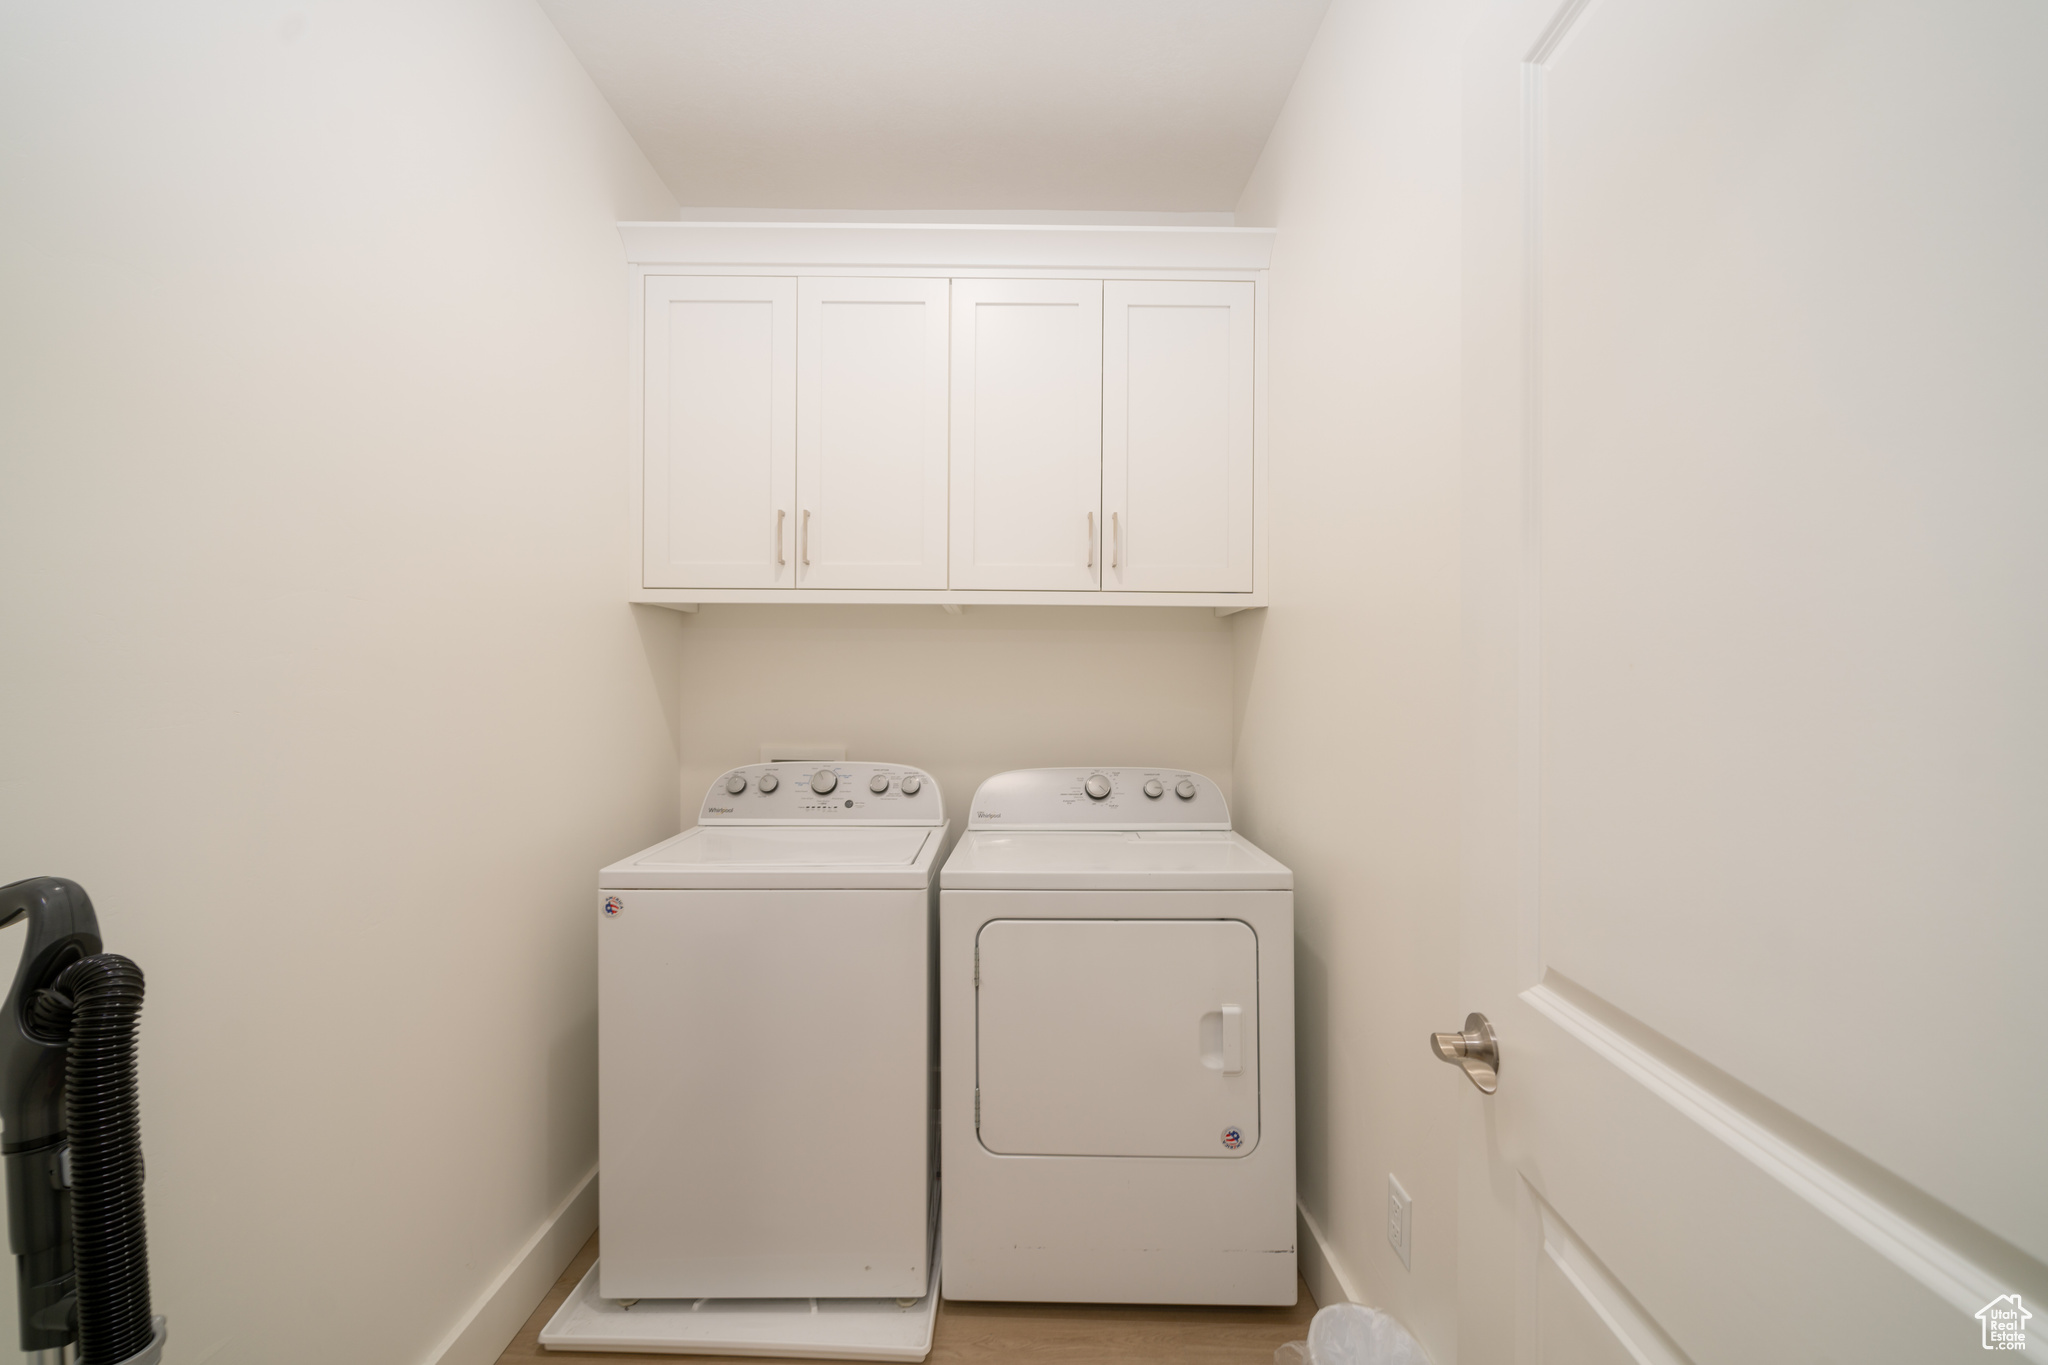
[962, 696]
[314, 667]
[1347, 686]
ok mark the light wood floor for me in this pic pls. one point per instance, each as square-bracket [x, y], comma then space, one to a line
[1029, 1333]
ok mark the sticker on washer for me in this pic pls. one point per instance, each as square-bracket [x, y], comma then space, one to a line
[612, 906]
[1232, 1138]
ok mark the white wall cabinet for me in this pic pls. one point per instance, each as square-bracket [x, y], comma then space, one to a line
[949, 414]
[1027, 434]
[871, 433]
[1177, 435]
[720, 422]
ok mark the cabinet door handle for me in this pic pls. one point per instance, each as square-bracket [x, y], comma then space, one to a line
[1116, 541]
[780, 513]
[804, 538]
[1091, 540]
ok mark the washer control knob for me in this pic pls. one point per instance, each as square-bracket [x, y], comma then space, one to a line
[911, 785]
[878, 784]
[1185, 789]
[1097, 787]
[736, 784]
[1153, 788]
[823, 781]
[769, 782]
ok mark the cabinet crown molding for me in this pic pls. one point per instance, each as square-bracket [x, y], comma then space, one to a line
[948, 246]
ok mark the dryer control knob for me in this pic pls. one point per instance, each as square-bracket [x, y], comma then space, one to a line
[1153, 788]
[823, 780]
[736, 784]
[769, 782]
[1097, 787]
[1184, 789]
[912, 785]
[878, 784]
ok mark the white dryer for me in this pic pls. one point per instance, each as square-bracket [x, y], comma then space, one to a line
[1116, 982]
[767, 1042]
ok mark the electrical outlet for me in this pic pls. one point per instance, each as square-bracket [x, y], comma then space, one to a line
[1400, 1220]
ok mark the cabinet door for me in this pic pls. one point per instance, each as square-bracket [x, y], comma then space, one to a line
[871, 433]
[719, 463]
[1178, 393]
[1027, 434]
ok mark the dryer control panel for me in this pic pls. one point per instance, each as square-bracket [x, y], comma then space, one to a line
[1099, 798]
[838, 793]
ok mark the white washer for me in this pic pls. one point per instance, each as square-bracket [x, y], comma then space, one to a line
[766, 1042]
[1116, 983]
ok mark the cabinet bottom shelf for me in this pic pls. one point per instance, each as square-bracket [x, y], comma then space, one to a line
[688, 599]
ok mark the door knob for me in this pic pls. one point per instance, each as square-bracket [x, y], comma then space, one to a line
[1476, 1050]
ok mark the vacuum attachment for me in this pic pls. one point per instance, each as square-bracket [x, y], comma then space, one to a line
[73, 1139]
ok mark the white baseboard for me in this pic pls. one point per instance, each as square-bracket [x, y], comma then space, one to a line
[1326, 1283]
[489, 1326]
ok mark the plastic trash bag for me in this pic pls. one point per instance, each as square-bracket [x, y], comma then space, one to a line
[1352, 1334]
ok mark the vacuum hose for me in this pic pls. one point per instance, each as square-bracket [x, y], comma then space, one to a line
[73, 1135]
[96, 1004]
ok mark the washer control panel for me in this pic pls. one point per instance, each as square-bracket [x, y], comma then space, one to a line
[825, 793]
[1099, 798]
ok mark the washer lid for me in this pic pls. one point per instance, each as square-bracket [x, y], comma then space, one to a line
[1106, 860]
[776, 856]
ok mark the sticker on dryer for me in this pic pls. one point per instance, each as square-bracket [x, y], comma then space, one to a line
[612, 905]
[1233, 1138]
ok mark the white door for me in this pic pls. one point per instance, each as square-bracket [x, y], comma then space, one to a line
[1117, 1037]
[1177, 435]
[1027, 434]
[871, 433]
[719, 460]
[1757, 576]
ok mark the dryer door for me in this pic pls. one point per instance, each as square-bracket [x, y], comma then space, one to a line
[1118, 1037]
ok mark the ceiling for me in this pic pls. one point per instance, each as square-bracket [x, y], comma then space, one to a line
[1131, 105]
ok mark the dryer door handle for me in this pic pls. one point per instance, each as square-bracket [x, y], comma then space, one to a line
[1233, 1040]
